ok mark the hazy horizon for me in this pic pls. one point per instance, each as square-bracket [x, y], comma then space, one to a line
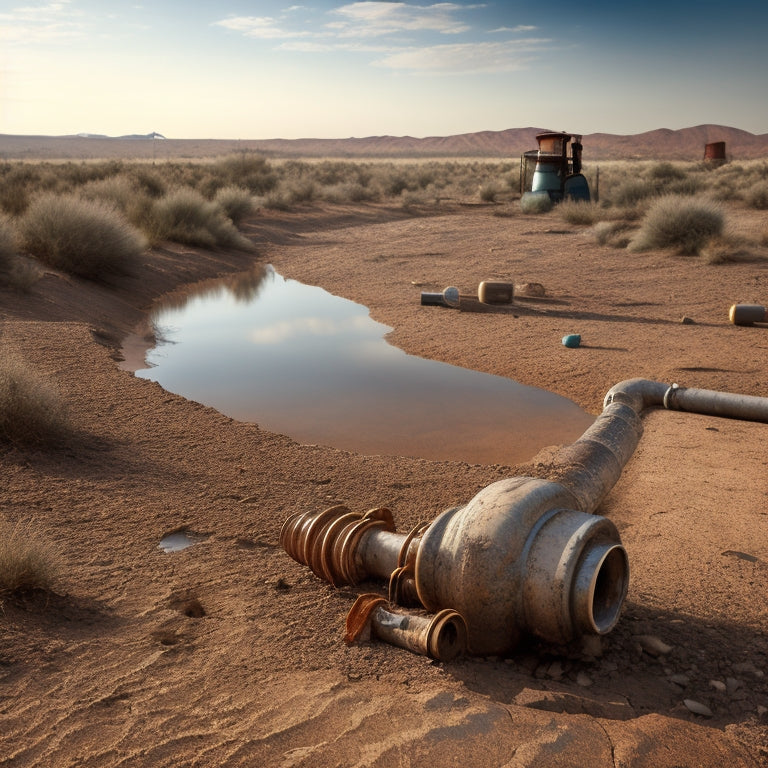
[322, 69]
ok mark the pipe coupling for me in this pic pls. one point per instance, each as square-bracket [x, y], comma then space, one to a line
[328, 541]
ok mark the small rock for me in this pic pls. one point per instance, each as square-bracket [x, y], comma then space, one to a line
[682, 680]
[555, 670]
[718, 685]
[697, 708]
[530, 289]
[592, 646]
[761, 710]
[583, 680]
[685, 320]
[747, 666]
[653, 645]
[732, 685]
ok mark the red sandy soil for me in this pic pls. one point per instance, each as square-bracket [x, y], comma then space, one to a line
[230, 653]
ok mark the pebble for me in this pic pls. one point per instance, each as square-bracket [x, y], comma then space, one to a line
[718, 685]
[592, 646]
[680, 680]
[653, 645]
[732, 685]
[555, 670]
[685, 320]
[583, 680]
[697, 708]
[747, 666]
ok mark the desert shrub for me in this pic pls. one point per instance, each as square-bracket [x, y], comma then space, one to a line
[236, 202]
[631, 192]
[348, 192]
[87, 238]
[185, 216]
[724, 249]
[683, 223]
[665, 172]
[489, 192]
[578, 211]
[686, 185]
[536, 202]
[757, 195]
[613, 233]
[149, 181]
[29, 560]
[14, 272]
[31, 411]
[248, 170]
[8, 248]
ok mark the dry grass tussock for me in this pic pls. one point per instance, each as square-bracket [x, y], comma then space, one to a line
[31, 411]
[29, 559]
[87, 238]
[683, 223]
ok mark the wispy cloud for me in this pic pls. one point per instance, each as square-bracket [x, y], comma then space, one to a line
[261, 27]
[357, 25]
[466, 58]
[47, 22]
[375, 19]
[514, 30]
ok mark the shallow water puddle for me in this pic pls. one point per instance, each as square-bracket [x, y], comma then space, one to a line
[301, 362]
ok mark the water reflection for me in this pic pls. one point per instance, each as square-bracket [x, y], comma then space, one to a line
[300, 361]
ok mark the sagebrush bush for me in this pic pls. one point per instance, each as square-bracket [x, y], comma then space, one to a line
[87, 238]
[757, 195]
[613, 233]
[248, 170]
[29, 560]
[631, 192]
[579, 211]
[8, 248]
[682, 223]
[185, 216]
[535, 202]
[236, 202]
[31, 410]
[14, 272]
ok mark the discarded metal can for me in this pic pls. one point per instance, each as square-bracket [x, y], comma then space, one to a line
[746, 314]
[495, 292]
[433, 299]
[572, 340]
[450, 297]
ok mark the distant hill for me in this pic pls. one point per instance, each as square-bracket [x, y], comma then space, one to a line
[660, 144]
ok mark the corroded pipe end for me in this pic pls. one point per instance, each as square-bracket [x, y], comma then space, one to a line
[599, 588]
[327, 541]
[441, 636]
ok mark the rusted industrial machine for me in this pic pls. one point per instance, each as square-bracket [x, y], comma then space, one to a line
[550, 170]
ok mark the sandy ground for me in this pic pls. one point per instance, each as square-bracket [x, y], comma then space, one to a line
[230, 653]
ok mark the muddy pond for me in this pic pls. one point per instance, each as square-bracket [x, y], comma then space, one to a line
[302, 362]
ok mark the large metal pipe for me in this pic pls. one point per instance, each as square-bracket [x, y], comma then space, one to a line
[526, 555]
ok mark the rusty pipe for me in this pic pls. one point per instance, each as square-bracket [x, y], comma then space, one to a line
[525, 555]
[442, 636]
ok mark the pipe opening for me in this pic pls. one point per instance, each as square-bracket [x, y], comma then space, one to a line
[449, 636]
[600, 588]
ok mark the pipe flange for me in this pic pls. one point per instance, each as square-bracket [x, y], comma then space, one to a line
[670, 397]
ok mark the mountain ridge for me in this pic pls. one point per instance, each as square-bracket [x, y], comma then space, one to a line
[657, 144]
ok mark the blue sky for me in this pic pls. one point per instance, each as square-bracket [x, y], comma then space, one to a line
[240, 69]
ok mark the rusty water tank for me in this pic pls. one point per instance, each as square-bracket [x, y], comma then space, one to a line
[715, 152]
